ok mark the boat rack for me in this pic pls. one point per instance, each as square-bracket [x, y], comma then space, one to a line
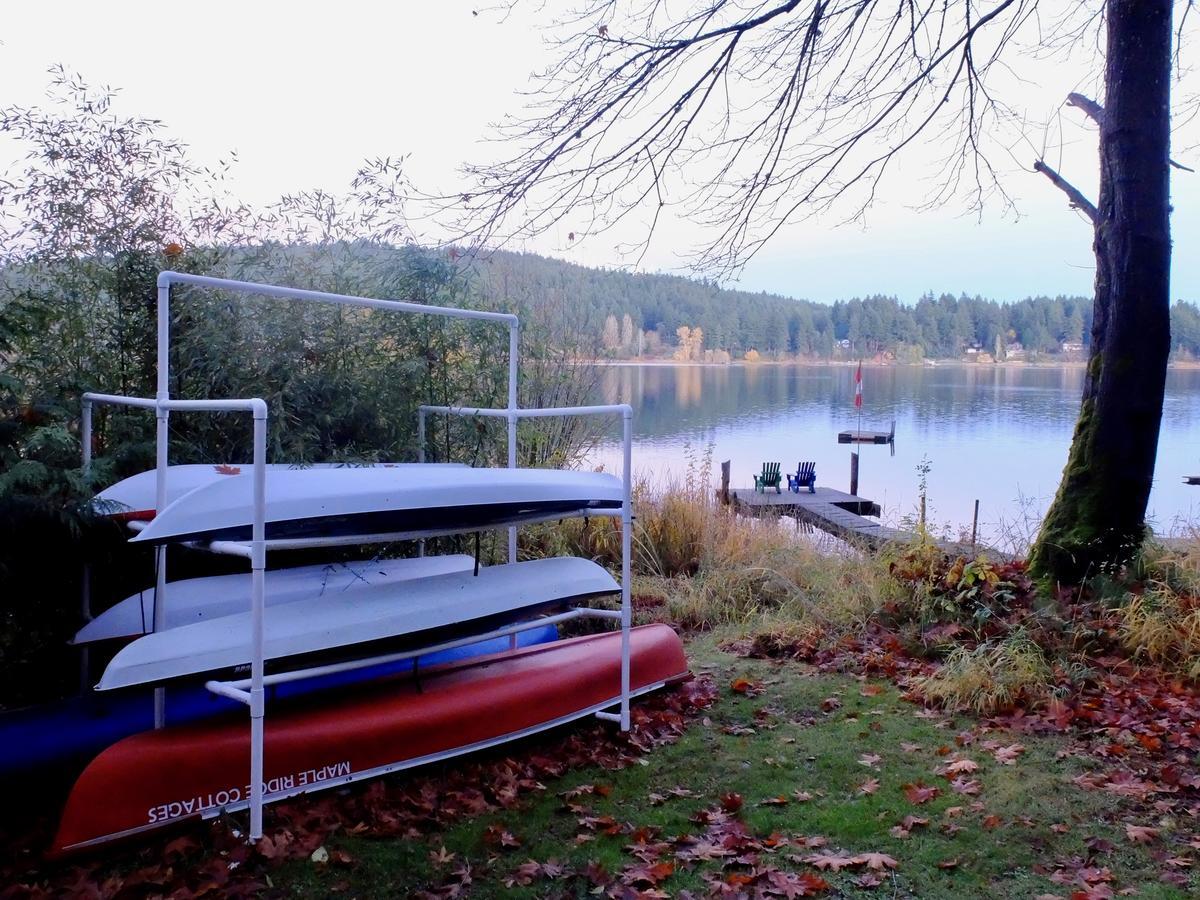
[251, 691]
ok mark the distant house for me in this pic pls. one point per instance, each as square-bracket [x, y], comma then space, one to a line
[844, 343]
[1014, 347]
[1072, 347]
[971, 351]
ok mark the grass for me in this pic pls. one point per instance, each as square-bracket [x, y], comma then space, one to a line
[792, 738]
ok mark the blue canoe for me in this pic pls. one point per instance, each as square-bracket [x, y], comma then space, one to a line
[70, 732]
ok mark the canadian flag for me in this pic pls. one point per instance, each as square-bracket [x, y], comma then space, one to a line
[858, 387]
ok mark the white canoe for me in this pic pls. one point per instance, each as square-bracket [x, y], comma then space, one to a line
[134, 497]
[420, 610]
[408, 500]
[200, 599]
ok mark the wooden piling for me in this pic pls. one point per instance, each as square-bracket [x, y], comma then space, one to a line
[854, 472]
[725, 482]
[975, 526]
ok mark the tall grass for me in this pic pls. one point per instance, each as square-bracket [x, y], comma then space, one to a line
[715, 568]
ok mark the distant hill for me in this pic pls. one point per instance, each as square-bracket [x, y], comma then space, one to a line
[612, 307]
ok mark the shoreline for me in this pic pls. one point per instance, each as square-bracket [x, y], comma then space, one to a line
[866, 363]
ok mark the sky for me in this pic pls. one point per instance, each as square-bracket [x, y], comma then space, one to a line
[304, 92]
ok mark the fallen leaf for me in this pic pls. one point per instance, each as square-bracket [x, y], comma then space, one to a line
[870, 786]
[877, 861]
[1141, 834]
[918, 793]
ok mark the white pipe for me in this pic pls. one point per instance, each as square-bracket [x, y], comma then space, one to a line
[272, 290]
[421, 459]
[513, 348]
[226, 690]
[258, 564]
[542, 413]
[626, 553]
[85, 435]
[118, 400]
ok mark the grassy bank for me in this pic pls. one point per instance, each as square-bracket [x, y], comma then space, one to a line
[902, 723]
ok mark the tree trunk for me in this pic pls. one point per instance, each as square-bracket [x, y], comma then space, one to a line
[1097, 520]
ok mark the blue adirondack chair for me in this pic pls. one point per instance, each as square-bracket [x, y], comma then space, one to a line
[770, 477]
[806, 476]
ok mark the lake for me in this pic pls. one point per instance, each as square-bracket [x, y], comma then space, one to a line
[993, 433]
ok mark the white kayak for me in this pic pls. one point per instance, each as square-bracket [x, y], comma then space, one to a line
[421, 610]
[200, 599]
[413, 500]
[134, 497]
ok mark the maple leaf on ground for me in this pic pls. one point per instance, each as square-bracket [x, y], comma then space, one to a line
[1007, 756]
[801, 796]
[834, 862]
[990, 822]
[870, 760]
[911, 822]
[731, 802]
[868, 880]
[948, 863]
[1140, 834]
[498, 836]
[870, 786]
[967, 786]
[774, 801]
[441, 857]
[918, 793]
[829, 704]
[792, 884]
[909, 747]
[648, 874]
[960, 767]
[871, 690]
[877, 861]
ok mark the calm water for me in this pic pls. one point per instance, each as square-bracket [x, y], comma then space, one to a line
[999, 435]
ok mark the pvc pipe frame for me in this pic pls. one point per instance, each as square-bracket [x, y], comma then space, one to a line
[625, 411]
[163, 405]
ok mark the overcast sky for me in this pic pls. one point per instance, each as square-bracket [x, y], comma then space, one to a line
[303, 92]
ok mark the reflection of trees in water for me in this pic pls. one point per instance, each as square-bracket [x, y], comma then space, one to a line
[688, 386]
[679, 399]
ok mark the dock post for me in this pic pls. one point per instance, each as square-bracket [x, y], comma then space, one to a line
[854, 472]
[975, 526]
[725, 483]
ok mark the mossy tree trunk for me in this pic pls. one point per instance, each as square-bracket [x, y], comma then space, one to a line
[1097, 520]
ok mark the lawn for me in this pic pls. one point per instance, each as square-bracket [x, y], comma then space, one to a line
[831, 778]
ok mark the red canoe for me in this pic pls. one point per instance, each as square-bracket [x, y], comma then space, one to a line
[160, 777]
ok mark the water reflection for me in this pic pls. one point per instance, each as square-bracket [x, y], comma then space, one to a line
[998, 434]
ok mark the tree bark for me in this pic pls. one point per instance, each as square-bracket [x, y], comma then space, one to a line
[1097, 520]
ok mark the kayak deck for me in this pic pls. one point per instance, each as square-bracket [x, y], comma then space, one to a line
[160, 777]
[201, 599]
[454, 604]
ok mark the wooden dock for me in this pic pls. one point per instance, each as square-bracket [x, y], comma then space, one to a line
[868, 437]
[832, 511]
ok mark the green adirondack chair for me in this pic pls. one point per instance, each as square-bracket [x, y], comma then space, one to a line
[769, 478]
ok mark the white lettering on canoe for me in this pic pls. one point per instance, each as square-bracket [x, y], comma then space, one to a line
[177, 809]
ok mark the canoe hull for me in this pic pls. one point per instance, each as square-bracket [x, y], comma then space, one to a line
[54, 741]
[160, 777]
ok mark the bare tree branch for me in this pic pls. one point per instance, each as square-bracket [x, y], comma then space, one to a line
[1078, 201]
[1095, 112]
[746, 115]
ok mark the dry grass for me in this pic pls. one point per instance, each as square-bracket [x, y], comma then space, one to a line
[991, 677]
[717, 569]
[1161, 624]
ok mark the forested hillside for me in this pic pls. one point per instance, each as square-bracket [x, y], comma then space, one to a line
[613, 307]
